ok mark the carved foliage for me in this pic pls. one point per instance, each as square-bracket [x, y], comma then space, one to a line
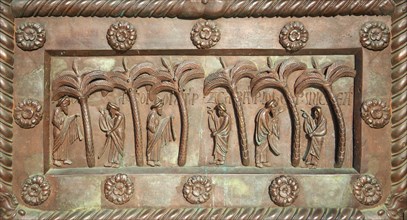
[367, 190]
[375, 113]
[36, 190]
[30, 36]
[173, 78]
[227, 78]
[129, 80]
[293, 36]
[197, 189]
[374, 35]
[396, 204]
[205, 34]
[81, 86]
[121, 36]
[28, 113]
[322, 78]
[118, 189]
[275, 76]
[284, 190]
[8, 206]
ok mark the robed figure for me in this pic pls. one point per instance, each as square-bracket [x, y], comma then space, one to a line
[315, 129]
[112, 122]
[267, 132]
[160, 131]
[66, 131]
[219, 125]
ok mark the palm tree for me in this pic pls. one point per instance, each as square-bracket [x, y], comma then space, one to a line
[130, 80]
[322, 78]
[276, 77]
[174, 79]
[80, 87]
[227, 78]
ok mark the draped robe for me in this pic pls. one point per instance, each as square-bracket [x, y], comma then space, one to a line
[115, 141]
[266, 135]
[159, 133]
[66, 131]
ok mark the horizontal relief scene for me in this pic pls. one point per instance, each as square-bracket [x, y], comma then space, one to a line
[258, 112]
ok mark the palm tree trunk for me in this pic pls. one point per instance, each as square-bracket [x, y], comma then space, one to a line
[241, 127]
[138, 141]
[295, 151]
[339, 128]
[90, 151]
[182, 154]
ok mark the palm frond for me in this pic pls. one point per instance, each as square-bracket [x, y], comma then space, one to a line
[243, 69]
[262, 75]
[119, 80]
[95, 75]
[65, 91]
[188, 67]
[222, 62]
[164, 75]
[314, 63]
[75, 67]
[338, 70]
[145, 80]
[95, 86]
[310, 79]
[162, 87]
[167, 64]
[288, 66]
[218, 79]
[66, 80]
[124, 63]
[143, 68]
[270, 63]
[264, 83]
[195, 72]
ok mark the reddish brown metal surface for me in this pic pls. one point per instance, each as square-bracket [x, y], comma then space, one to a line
[131, 111]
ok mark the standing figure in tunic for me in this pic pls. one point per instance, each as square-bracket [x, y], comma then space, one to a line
[267, 132]
[112, 122]
[315, 129]
[160, 132]
[66, 131]
[220, 128]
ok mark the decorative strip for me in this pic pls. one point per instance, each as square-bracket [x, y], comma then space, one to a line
[209, 10]
[193, 9]
[6, 94]
[208, 213]
[399, 98]
[396, 203]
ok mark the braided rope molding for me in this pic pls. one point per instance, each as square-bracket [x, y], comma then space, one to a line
[6, 94]
[396, 202]
[192, 9]
[8, 202]
[399, 98]
[94, 8]
[208, 213]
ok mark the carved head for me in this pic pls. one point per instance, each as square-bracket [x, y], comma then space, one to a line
[316, 112]
[112, 108]
[63, 103]
[158, 106]
[220, 109]
[271, 105]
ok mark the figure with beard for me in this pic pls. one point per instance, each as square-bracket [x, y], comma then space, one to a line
[66, 131]
[113, 124]
[160, 132]
[266, 133]
[315, 129]
[220, 128]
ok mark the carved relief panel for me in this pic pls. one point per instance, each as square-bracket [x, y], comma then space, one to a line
[123, 114]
